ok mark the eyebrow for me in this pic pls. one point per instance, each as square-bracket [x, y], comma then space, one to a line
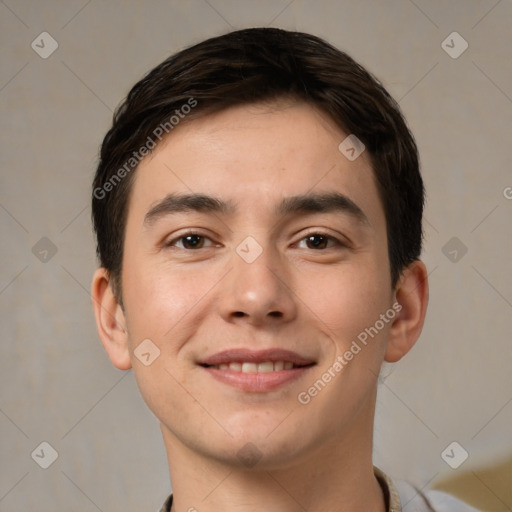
[322, 203]
[300, 204]
[179, 203]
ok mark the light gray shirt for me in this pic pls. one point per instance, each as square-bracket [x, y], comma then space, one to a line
[401, 496]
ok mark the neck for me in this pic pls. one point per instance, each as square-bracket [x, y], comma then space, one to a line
[337, 475]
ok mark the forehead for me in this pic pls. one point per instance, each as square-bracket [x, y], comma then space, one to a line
[254, 155]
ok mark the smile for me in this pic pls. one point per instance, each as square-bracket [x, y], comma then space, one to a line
[250, 367]
[256, 371]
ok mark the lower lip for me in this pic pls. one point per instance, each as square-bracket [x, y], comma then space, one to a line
[257, 382]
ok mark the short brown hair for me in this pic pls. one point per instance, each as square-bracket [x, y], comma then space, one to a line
[249, 66]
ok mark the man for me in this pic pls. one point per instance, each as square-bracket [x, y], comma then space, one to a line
[258, 209]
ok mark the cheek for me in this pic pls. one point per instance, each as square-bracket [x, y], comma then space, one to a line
[159, 298]
[162, 305]
[347, 304]
[349, 298]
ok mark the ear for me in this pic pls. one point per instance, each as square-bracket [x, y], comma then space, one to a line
[110, 320]
[411, 294]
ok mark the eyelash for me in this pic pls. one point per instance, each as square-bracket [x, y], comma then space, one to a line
[329, 238]
[172, 242]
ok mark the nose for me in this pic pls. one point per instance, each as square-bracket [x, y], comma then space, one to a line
[258, 292]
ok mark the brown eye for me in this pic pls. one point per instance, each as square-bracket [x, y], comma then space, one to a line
[191, 241]
[317, 241]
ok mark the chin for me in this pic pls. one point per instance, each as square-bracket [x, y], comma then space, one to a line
[267, 445]
[247, 455]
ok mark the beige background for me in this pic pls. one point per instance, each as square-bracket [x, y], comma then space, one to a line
[57, 385]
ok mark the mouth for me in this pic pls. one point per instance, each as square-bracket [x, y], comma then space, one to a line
[250, 367]
[256, 371]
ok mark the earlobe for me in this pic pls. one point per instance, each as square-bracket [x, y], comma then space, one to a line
[110, 320]
[412, 296]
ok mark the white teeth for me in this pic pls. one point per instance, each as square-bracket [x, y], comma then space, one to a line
[249, 367]
[236, 367]
[265, 367]
[278, 366]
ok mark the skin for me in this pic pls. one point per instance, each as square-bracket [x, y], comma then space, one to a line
[312, 299]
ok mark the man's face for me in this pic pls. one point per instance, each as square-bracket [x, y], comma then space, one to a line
[286, 265]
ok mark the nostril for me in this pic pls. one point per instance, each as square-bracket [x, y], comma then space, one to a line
[238, 314]
[277, 314]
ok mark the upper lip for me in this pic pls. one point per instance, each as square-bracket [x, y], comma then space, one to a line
[255, 356]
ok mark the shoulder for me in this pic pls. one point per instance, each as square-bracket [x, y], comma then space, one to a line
[415, 500]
